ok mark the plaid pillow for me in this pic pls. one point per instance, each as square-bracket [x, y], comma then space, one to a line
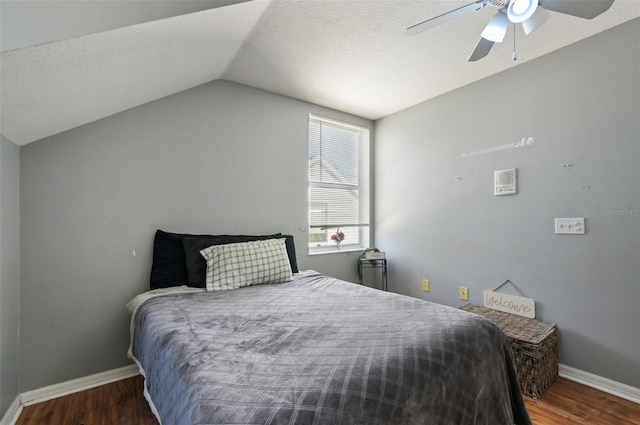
[236, 265]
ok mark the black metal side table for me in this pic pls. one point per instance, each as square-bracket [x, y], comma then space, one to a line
[381, 264]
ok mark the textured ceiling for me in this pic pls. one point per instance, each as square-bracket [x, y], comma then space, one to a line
[27, 23]
[352, 56]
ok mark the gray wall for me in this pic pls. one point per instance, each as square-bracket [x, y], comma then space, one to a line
[219, 158]
[582, 106]
[9, 271]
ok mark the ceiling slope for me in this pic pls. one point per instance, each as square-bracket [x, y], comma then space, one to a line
[54, 87]
[29, 23]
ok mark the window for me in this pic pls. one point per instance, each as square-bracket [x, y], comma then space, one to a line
[338, 185]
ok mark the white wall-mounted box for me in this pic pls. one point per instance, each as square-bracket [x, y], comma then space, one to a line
[505, 182]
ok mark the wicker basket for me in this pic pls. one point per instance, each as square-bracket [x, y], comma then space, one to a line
[535, 348]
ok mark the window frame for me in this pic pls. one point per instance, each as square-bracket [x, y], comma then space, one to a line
[364, 166]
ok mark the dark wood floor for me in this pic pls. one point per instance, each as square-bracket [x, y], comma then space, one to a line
[122, 403]
[570, 403]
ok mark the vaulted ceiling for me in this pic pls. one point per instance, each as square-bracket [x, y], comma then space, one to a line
[68, 63]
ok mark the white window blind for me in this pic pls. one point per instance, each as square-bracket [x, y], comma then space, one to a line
[338, 182]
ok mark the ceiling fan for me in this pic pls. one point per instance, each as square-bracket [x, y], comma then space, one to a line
[530, 13]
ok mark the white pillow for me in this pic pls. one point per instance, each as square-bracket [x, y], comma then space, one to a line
[236, 265]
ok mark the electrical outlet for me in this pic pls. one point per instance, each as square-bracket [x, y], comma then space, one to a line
[464, 293]
[425, 285]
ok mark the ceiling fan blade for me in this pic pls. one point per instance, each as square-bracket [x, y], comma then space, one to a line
[446, 17]
[539, 17]
[587, 9]
[482, 49]
[496, 29]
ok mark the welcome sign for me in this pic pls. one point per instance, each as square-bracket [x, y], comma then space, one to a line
[510, 304]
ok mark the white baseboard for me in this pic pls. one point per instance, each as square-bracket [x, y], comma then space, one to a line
[73, 386]
[13, 413]
[603, 384]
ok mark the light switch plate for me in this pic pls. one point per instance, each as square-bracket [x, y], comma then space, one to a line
[570, 226]
[464, 293]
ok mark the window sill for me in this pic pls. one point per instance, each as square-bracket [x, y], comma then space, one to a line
[334, 250]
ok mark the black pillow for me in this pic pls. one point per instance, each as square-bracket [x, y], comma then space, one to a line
[196, 265]
[291, 252]
[169, 266]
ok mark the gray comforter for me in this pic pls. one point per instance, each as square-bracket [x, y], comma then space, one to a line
[322, 351]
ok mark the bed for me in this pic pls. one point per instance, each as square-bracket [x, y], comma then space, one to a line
[318, 350]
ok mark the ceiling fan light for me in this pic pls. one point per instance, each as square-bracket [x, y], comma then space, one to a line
[521, 10]
[496, 29]
[539, 17]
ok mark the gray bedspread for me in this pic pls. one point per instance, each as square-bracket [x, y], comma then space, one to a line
[322, 351]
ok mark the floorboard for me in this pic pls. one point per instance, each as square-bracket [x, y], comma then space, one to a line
[123, 403]
[569, 403]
